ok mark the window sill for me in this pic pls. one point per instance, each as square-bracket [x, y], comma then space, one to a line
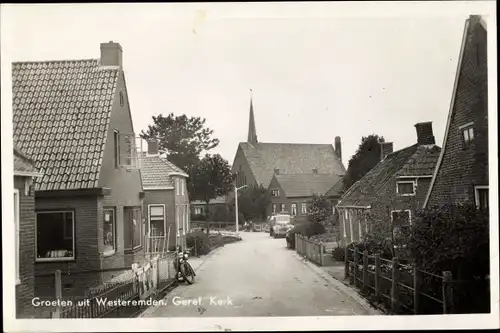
[407, 195]
[108, 253]
[45, 260]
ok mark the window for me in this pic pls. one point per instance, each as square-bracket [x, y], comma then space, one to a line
[109, 231]
[294, 209]
[122, 99]
[467, 134]
[282, 207]
[177, 186]
[16, 230]
[157, 220]
[198, 210]
[116, 148]
[275, 193]
[126, 149]
[182, 187]
[304, 208]
[133, 227]
[401, 220]
[482, 197]
[55, 239]
[344, 225]
[274, 208]
[405, 188]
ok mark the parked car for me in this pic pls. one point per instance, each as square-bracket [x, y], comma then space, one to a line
[280, 224]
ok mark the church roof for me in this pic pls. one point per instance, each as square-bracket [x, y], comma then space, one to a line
[290, 158]
[307, 184]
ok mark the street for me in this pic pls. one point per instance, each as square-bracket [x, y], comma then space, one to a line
[258, 276]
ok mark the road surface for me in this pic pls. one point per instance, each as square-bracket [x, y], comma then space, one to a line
[257, 276]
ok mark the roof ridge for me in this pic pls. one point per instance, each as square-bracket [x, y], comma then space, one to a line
[49, 61]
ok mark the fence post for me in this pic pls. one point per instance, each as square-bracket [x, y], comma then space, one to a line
[355, 270]
[447, 293]
[321, 253]
[58, 285]
[365, 270]
[346, 261]
[416, 289]
[394, 288]
[377, 275]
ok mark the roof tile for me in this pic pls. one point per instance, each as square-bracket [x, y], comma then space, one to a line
[156, 172]
[306, 184]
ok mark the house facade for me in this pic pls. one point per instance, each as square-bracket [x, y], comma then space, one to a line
[462, 172]
[293, 193]
[199, 207]
[72, 118]
[24, 219]
[392, 191]
[166, 202]
[256, 162]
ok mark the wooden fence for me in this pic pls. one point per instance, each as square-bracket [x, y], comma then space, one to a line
[312, 251]
[125, 299]
[401, 288]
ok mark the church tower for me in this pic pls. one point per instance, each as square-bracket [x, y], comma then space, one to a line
[252, 132]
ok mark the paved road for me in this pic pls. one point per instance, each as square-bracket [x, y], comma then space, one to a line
[258, 276]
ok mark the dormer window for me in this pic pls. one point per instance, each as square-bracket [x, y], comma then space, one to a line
[467, 131]
[405, 188]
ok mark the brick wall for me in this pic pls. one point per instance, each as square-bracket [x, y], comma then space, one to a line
[25, 290]
[165, 197]
[86, 245]
[181, 201]
[461, 168]
[241, 161]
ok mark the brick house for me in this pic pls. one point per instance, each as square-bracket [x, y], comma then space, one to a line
[199, 207]
[393, 190]
[166, 201]
[24, 218]
[293, 193]
[256, 162]
[461, 174]
[72, 118]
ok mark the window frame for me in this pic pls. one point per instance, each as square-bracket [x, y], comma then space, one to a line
[282, 207]
[116, 138]
[17, 225]
[414, 183]
[164, 217]
[302, 206]
[401, 210]
[277, 193]
[477, 197]
[198, 208]
[112, 209]
[131, 229]
[132, 157]
[467, 128]
[52, 211]
[294, 204]
[274, 207]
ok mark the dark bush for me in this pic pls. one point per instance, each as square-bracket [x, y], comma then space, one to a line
[338, 254]
[307, 229]
[199, 241]
[198, 217]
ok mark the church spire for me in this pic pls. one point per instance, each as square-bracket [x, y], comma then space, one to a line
[252, 132]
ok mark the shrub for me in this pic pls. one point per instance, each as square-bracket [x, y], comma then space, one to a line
[338, 254]
[199, 241]
[198, 217]
[307, 229]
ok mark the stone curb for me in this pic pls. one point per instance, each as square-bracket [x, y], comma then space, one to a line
[347, 291]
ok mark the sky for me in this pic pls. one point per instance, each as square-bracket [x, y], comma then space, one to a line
[315, 73]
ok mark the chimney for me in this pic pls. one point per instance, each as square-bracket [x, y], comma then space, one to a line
[152, 147]
[276, 171]
[315, 171]
[338, 147]
[424, 133]
[111, 54]
[386, 148]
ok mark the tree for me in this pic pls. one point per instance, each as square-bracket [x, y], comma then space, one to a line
[320, 210]
[182, 138]
[366, 157]
[253, 203]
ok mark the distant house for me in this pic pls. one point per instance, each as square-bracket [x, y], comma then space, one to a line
[199, 207]
[166, 201]
[72, 118]
[462, 173]
[393, 190]
[256, 162]
[293, 193]
[24, 219]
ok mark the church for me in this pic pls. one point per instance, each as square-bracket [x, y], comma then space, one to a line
[295, 171]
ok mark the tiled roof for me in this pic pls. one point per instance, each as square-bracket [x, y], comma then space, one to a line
[337, 189]
[22, 164]
[290, 158]
[156, 172]
[305, 185]
[422, 163]
[61, 114]
[218, 200]
[365, 191]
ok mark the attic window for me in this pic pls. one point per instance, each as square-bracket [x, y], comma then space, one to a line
[467, 134]
[122, 99]
[405, 188]
[275, 193]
